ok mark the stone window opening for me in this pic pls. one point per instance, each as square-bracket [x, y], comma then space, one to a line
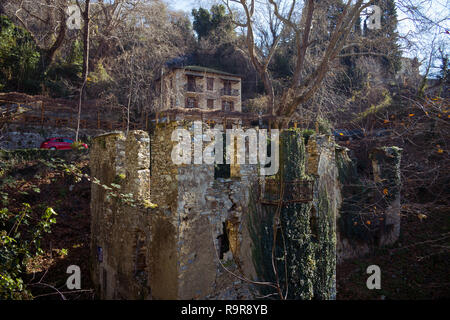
[227, 87]
[210, 84]
[222, 170]
[227, 105]
[191, 102]
[223, 243]
[191, 83]
[210, 103]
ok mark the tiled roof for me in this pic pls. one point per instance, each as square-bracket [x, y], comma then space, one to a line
[209, 70]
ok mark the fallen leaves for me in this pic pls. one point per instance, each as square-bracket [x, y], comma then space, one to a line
[421, 216]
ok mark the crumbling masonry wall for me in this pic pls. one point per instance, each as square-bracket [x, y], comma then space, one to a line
[168, 252]
[206, 230]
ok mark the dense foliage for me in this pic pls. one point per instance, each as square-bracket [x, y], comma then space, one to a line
[20, 238]
[19, 59]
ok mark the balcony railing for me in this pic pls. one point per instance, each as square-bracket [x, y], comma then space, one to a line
[193, 88]
[229, 92]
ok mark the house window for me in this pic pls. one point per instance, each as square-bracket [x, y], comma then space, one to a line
[210, 103]
[172, 103]
[210, 84]
[191, 83]
[171, 83]
[191, 102]
[227, 105]
[227, 87]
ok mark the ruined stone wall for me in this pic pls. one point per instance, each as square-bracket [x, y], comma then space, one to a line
[208, 234]
[168, 252]
[120, 229]
[199, 210]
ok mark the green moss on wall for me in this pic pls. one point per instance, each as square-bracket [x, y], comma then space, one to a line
[307, 270]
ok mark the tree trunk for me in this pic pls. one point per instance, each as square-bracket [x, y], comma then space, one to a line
[85, 62]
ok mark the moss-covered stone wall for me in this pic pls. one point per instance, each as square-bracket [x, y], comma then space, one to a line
[305, 241]
[205, 228]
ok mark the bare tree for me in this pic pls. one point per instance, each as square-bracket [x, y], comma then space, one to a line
[304, 84]
[145, 37]
[85, 71]
[45, 20]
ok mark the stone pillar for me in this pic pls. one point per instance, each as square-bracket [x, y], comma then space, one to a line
[386, 175]
[120, 225]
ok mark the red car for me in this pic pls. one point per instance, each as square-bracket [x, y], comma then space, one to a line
[59, 143]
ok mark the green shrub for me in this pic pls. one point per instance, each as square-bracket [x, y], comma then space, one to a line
[20, 240]
[19, 58]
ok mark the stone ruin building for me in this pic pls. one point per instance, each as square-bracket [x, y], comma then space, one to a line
[212, 231]
[211, 235]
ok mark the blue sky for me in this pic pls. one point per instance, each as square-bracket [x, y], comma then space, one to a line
[188, 5]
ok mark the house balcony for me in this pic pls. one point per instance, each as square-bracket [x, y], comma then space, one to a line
[191, 88]
[229, 92]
